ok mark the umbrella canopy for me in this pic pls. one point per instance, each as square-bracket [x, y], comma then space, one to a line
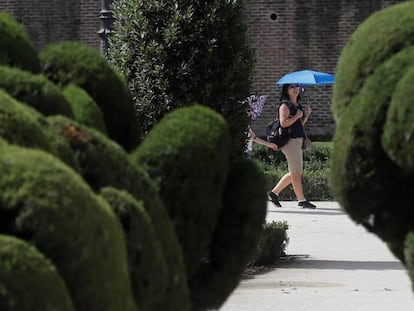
[307, 77]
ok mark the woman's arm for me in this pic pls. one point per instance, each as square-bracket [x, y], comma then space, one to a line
[308, 111]
[284, 116]
[260, 141]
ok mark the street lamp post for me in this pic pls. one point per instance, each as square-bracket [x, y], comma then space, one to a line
[106, 17]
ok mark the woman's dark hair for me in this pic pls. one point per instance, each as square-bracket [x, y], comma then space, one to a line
[285, 94]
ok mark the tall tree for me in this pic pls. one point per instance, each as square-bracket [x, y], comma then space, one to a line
[176, 53]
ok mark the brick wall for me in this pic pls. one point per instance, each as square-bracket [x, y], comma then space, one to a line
[287, 35]
[57, 20]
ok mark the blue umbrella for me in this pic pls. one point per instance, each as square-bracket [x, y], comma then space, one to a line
[307, 77]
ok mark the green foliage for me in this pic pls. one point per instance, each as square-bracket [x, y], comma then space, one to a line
[104, 163]
[45, 202]
[235, 237]
[16, 47]
[73, 63]
[21, 125]
[146, 261]
[120, 245]
[317, 159]
[190, 167]
[272, 243]
[84, 108]
[34, 90]
[176, 53]
[409, 255]
[371, 165]
[28, 280]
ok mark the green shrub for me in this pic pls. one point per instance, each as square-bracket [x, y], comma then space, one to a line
[102, 161]
[272, 243]
[176, 53]
[21, 125]
[105, 164]
[84, 108]
[28, 280]
[409, 256]
[146, 262]
[35, 91]
[190, 165]
[371, 165]
[317, 159]
[235, 237]
[73, 63]
[45, 202]
[316, 185]
[16, 47]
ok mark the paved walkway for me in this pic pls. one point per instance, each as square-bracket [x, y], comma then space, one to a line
[336, 265]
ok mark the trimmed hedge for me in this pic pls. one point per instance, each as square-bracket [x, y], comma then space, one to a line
[272, 244]
[146, 260]
[22, 125]
[105, 164]
[235, 238]
[16, 47]
[109, 256]
[74, 63]
[371, 168]
[34, 90]
[28, 280]
[190, 167]
[45, 202]
[85, 110]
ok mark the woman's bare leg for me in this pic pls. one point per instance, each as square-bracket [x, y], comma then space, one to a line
[297, 185]
[282, 184]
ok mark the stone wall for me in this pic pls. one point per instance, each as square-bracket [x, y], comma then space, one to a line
[287, 35]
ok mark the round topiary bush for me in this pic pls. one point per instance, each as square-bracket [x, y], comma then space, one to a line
[45, 202]
[105, 164]
[409, 256]
[73, 63]
[235, 238]
[28, 280]
[372, 174]
[146, 261]
[35, 91]
[84, 108]
[188, 155]
[16, 47]
[21, 125]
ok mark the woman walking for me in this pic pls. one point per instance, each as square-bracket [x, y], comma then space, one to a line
[293, 116]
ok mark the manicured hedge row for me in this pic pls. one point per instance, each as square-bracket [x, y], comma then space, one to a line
[120, 226]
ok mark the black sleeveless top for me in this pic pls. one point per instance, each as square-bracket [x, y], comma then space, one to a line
[296, 129]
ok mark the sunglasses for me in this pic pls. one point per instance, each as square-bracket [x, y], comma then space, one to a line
[294, 86]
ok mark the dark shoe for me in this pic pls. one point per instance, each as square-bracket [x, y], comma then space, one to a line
[306, 204]
[275, 199]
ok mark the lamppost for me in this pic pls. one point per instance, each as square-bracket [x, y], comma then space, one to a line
[106, 17]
